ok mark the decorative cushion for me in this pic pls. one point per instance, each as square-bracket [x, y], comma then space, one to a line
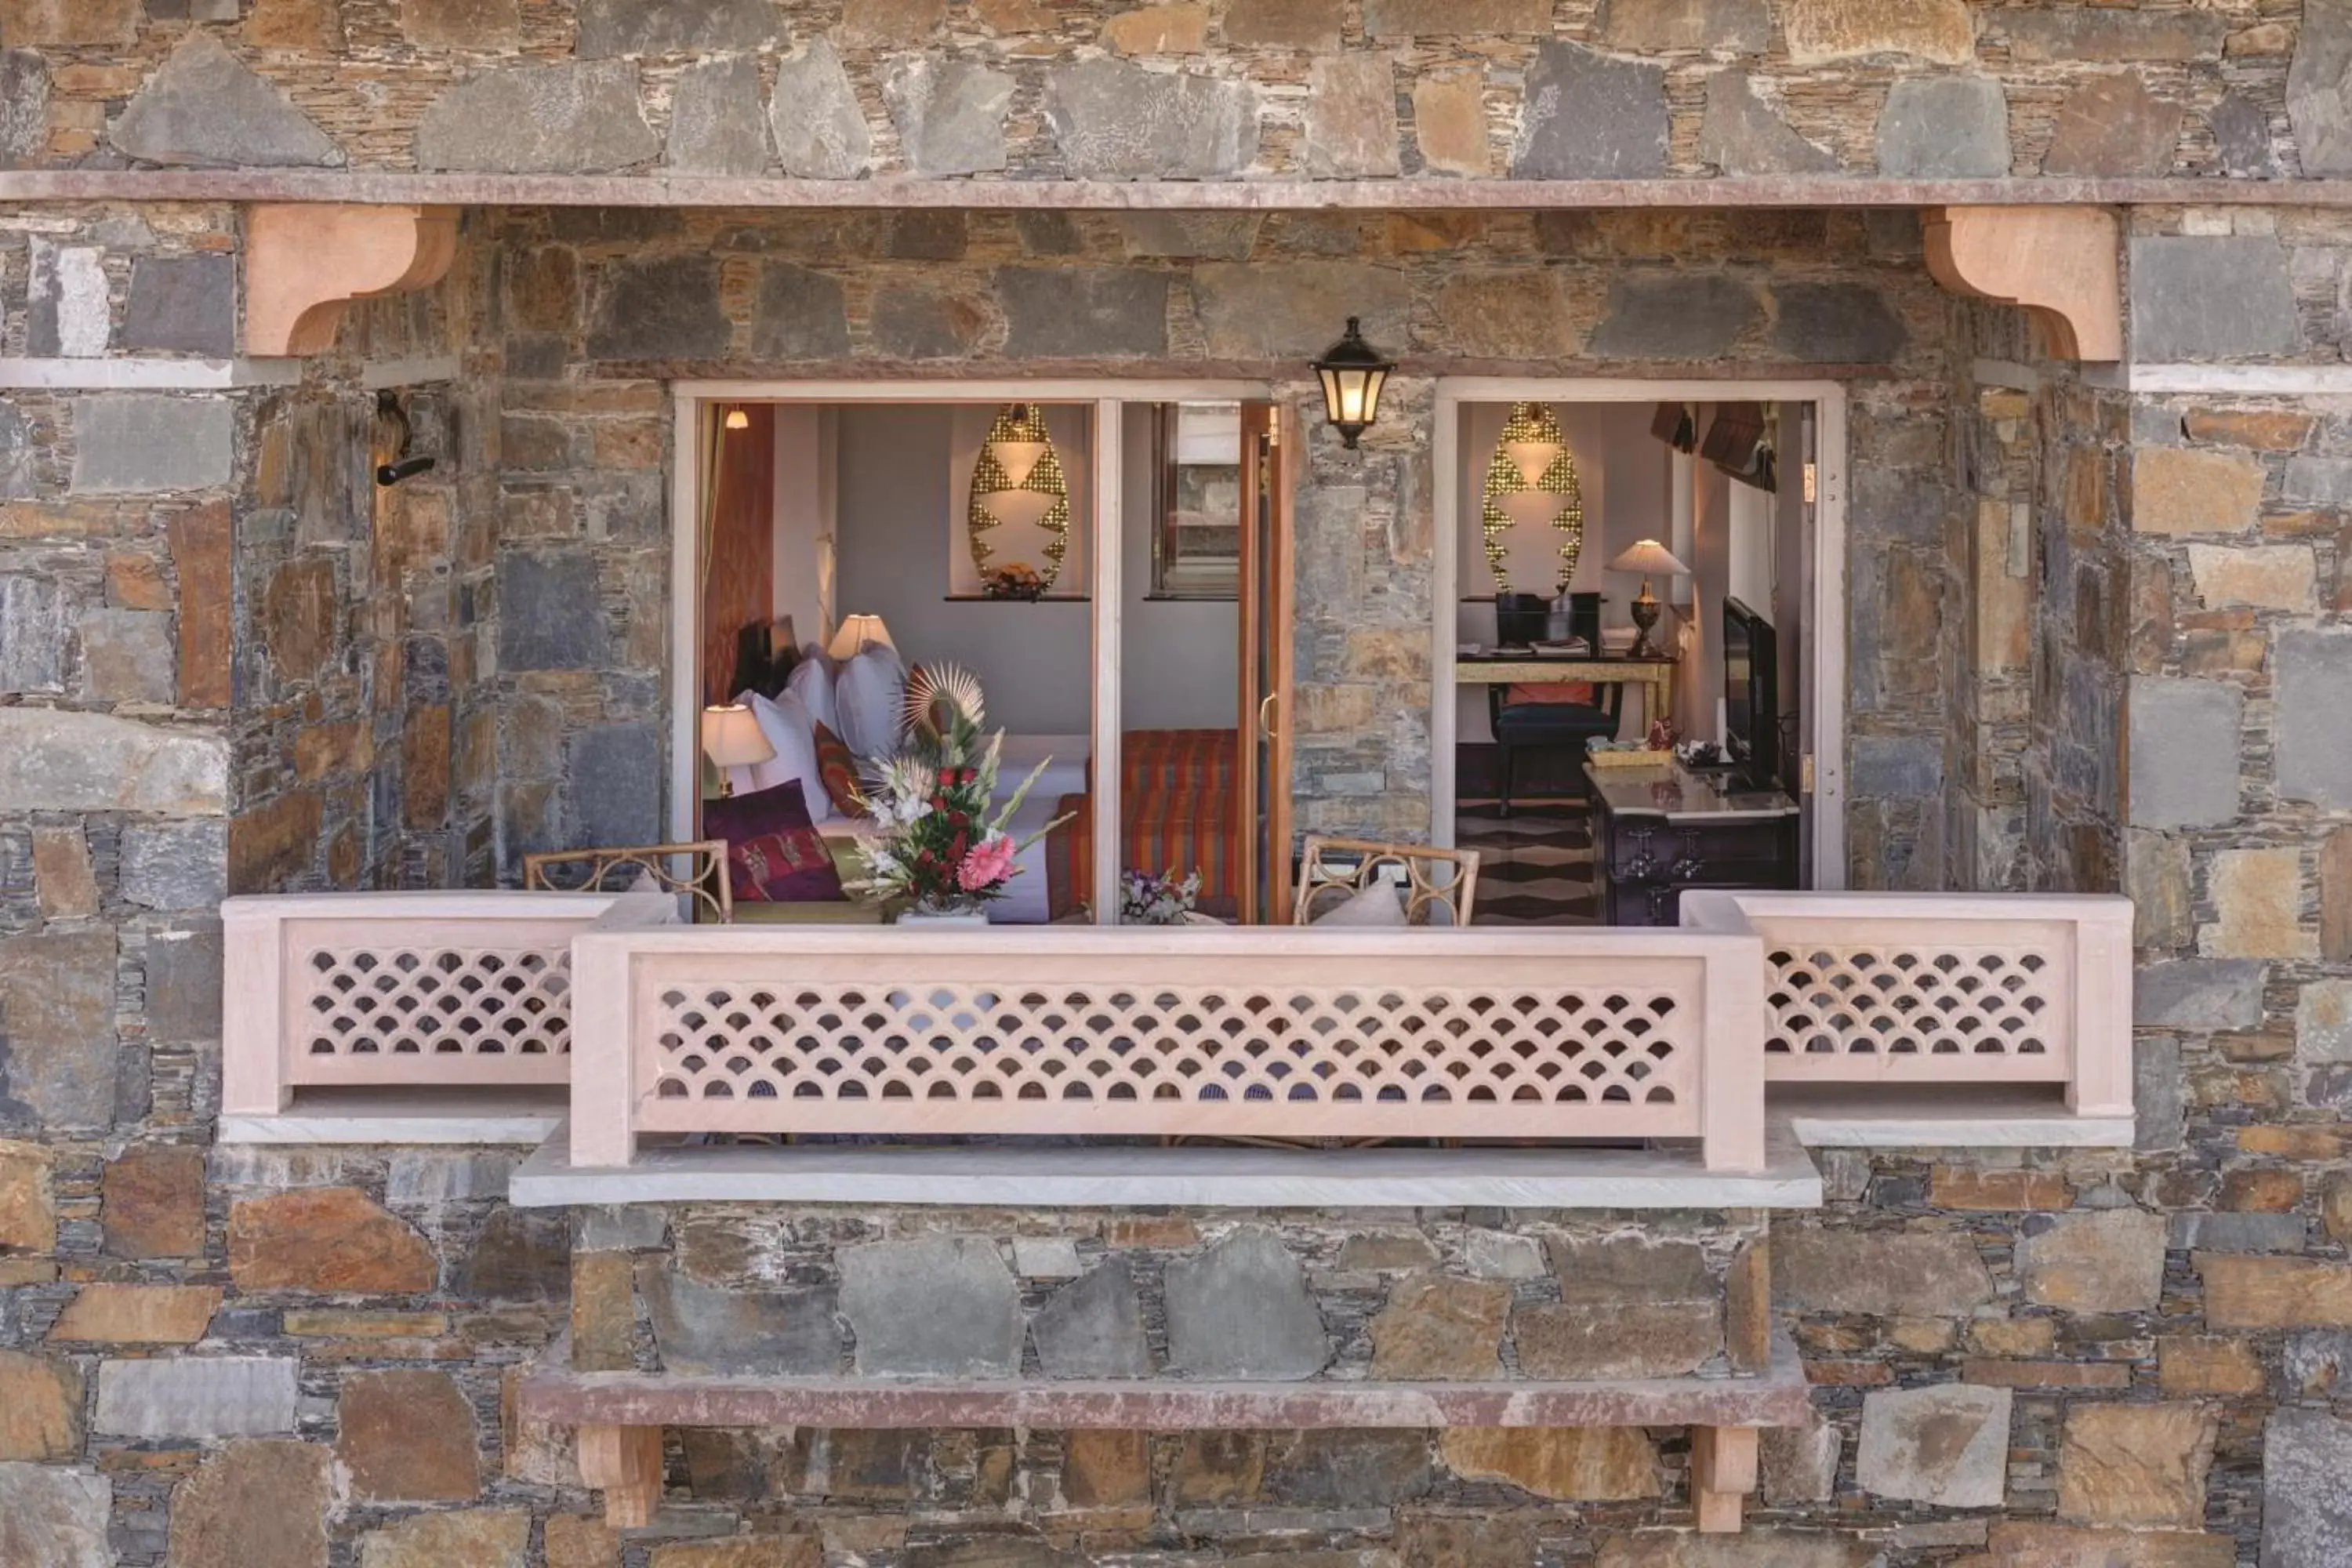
[793, 733]
[836, 768]
[812, 682]
[1376, 904]
[774, 853]
[868, 696]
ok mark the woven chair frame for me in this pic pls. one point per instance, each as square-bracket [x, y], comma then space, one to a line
[703, 879]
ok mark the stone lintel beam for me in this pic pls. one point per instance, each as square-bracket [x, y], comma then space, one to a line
[1779, 1397]
[2061, 263]
[387, 187]
[303, 263]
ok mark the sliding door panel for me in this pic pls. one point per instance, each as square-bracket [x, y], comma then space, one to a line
[1262, 814]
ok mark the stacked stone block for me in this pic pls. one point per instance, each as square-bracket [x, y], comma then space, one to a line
[1294, 1298]
[1314, 90]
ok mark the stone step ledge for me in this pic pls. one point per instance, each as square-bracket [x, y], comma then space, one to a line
[553, 1393]
[1117, 1176]
[1938, 1116]
[512, 1115]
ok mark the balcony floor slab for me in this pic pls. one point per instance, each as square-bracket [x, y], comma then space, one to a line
[1118, 1176]
[1938, 1116]
[524, 1116]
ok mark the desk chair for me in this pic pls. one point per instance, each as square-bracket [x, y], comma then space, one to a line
[1521, 618]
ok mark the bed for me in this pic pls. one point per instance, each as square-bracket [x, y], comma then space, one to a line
[1176, 791]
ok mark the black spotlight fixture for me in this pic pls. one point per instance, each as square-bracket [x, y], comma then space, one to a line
[1352, 372]
[392, 416]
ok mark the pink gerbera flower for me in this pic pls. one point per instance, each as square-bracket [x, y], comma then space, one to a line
[986, 866]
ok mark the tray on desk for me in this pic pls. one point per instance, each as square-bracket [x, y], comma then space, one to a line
[1629, 757]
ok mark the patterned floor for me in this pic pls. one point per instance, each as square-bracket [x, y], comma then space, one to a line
[1534, 868]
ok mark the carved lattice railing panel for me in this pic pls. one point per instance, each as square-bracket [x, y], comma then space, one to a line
[1119, 1057]
[1300, 1034]
[1923, 998]
[1947, 988]
[398, 990]
[431, 999]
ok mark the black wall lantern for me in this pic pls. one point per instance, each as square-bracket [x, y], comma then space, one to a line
[1352, 373]
[394, 433]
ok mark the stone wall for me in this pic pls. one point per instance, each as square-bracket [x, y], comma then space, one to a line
[365, 732]
[116, 638]
[1172, 1299]
[230, 1358]
[1377, 90]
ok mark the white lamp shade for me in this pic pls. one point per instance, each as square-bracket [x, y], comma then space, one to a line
[1532, 509]
[858, 633]
[1020, 508]
[1017, 458]
[731, 737]
[1647, 555]
[1532, 459]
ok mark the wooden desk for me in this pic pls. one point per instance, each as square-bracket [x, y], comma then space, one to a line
[1657, 832]
[1656, 675]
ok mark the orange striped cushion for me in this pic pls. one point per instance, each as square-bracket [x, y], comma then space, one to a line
[1540, 692]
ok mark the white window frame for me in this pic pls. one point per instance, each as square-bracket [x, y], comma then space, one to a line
[1109, 397]
[1827, 696]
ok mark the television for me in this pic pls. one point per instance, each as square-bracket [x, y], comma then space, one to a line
[1751, 695]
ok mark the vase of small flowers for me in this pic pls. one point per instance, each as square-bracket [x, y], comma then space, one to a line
[941, 853]
[1149, 899]
[1017, 581]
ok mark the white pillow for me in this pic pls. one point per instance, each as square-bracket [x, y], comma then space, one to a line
[790, 727]
[869, 694]
[1377, 904]
[811, 681]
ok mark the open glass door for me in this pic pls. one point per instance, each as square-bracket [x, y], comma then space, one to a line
[1262, 782]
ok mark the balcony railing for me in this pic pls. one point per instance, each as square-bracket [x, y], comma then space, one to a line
[396, 990]
[1270, 1033]
[664, 1028]
[1941, 988]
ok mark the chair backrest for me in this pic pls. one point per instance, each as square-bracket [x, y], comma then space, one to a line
[1584, 619]
[1520, 618]
[1334, 869]
[697, 870]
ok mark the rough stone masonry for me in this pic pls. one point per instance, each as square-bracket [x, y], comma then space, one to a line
[2097, 641]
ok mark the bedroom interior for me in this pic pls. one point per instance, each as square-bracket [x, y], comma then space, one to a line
[848, 543]
[1597, 546]
[1600, 548]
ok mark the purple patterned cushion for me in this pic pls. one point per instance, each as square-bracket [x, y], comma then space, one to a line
[774, 854]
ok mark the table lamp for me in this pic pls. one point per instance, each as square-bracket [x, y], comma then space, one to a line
[858, 633]
[1646, 556]
[731, 738]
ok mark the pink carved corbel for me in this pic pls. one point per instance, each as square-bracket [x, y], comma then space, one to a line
[303, 263]
[2061, 263]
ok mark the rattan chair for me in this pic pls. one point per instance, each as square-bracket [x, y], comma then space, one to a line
[698, 870]
[1332, 870]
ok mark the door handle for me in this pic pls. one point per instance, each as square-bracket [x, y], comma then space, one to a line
[1264, 712]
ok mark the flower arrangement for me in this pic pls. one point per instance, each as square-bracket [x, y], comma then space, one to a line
[941, 846]
[1017, 580]
[1156, 901]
